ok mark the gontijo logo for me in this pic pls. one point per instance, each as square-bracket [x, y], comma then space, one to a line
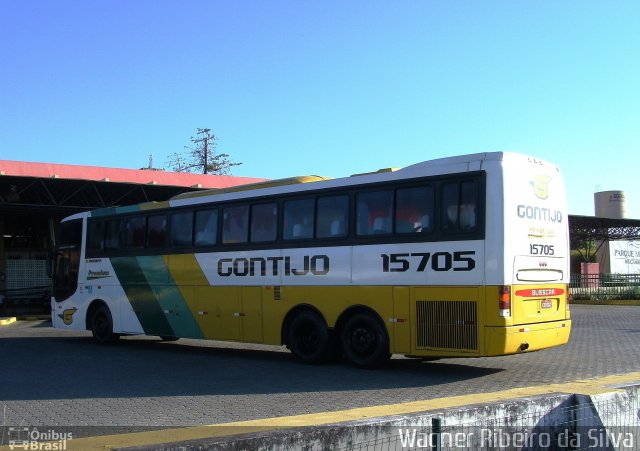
[540, 185]
[67, 315]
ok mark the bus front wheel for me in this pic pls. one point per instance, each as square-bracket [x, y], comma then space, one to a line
[365, 342]
[308, 338]
[102, 326]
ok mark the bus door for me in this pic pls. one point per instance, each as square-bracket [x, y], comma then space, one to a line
[67, 260]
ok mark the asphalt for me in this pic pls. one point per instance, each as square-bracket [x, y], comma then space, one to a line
[191, 389]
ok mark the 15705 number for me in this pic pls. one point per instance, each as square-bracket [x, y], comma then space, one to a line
[421, 261]
[541, 249]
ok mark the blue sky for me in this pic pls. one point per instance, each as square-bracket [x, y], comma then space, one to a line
[329, 88]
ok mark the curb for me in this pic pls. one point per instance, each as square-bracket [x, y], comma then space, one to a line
[34, 317]
[606, 302]
[6, 321]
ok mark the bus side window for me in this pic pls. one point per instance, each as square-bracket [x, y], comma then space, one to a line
[374, 212]
[182, 228]
[95, 235]
[332, 218]
[459, 212]
[468, 202]
[206, 227]
[414, 209]
[235, 224]
[112, 235]
[135, 232]
[298, 219]
[156, 231]
[264, 222]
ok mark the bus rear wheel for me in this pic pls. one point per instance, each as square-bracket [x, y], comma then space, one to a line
[309, 339]
[365, 342]
[102, 326]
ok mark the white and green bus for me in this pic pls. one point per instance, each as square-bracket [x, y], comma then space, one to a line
[466, 256]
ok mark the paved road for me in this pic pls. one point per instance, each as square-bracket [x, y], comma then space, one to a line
[57, 378]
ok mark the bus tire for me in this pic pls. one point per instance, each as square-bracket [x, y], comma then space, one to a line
[308, 338]
[102, 326]
[365, 341]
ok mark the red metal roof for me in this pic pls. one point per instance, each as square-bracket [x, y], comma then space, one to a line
[118, 175]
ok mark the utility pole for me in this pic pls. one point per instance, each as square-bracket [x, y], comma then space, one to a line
[202, 156]
[206, 136]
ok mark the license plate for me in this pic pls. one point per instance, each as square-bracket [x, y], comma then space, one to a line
[547, 303]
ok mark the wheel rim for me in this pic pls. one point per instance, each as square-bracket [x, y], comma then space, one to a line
[100, 325]
[307, 338]
[363, 340]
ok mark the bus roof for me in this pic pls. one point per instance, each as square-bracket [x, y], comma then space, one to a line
[251, 186]
[454, 164]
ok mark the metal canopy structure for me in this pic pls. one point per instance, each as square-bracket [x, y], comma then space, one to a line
[587, 228]
[67, 196]
[70, 188]
[34, 197]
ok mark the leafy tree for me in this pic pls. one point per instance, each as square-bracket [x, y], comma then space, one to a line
[202, 156]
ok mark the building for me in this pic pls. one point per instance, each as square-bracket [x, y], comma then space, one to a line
[34, 197]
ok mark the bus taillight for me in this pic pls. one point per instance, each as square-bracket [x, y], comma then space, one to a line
[504, 300]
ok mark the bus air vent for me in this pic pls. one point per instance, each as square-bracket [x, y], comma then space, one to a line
[447, 325]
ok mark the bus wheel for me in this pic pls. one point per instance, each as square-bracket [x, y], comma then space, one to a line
[308, 338]
[365, 341]
[102, 326]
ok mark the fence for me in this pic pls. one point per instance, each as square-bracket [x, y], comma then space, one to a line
[605, 286]
[28, 287]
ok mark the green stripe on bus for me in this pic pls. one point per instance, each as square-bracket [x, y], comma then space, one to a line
[170, 298]
[142, 297]
[115, 210]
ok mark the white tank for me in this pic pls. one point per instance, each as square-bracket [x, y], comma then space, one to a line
[610, 204]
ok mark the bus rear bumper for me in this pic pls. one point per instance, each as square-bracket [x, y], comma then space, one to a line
[525, 338]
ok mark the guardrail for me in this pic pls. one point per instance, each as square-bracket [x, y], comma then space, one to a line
[605, 286]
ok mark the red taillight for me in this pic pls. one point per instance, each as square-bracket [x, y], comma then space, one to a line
[504, 300]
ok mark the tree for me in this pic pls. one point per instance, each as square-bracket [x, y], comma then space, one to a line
[202, 156]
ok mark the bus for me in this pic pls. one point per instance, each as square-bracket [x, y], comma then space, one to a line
[465, 256]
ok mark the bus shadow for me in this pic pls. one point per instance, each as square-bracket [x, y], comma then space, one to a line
[76, 367]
